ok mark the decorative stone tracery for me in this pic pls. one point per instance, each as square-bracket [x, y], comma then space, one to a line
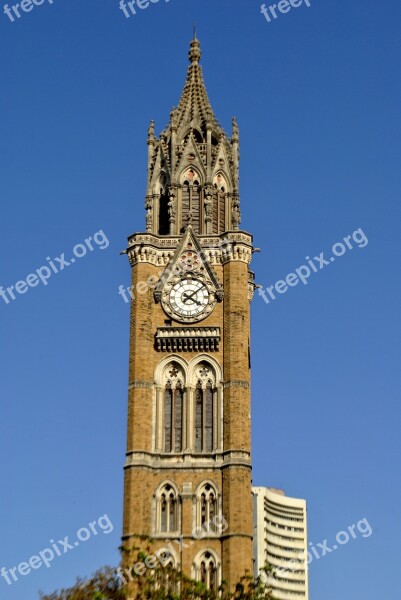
[188, 406]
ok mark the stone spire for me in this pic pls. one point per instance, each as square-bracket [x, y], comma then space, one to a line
[193, 166]
[194, 107]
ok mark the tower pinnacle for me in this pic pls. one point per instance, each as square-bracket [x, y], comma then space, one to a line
[193, 166]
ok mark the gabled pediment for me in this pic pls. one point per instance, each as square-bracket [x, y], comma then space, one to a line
[189, 259]
[222, 164]
[191, 148]
[161, 165]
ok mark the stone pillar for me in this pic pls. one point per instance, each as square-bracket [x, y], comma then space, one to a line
[237, 498]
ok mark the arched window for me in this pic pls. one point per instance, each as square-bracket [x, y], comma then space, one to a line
[198, 418]
[173, 409]
[167, 507]
[207, 508]
[168, 417]
[167, 578]
[219, 202]
[164, 219]
[178, 412]
[207, 571]
[191, 200]
[205, 408]
[163, 226]
[208, 417]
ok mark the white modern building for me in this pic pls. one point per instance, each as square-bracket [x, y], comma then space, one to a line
[280, 539]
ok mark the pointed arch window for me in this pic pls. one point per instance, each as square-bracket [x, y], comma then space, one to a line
[173, 417]
[191, 200]
[207, 508]
[204, 417]
[163, 225]
[173, 398]
[208, 393]
[198, 418]
[164, 219]
[208, 571]
[167, 510]
[168, 414]
[167, 580]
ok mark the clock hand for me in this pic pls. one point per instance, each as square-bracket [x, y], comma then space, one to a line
[190, 294]
[190, 297]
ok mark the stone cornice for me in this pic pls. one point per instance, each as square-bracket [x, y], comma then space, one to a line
[218, 250]
[141, 384]
[186, 461]
[243, 384]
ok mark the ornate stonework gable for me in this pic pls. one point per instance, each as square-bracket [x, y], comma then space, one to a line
[189, 260]
[190, 157]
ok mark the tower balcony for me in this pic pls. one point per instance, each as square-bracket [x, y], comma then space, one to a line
[187, 339]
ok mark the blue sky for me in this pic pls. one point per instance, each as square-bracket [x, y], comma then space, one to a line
[317, 95]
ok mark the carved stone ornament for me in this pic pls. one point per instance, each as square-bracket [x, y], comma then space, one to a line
[149, 213]
[235, 212]
[188, 289]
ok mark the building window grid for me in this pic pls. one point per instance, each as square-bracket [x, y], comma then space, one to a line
[284, 558]
[290, 581]
[286, 549]
[285, 517]
[279, 507]
[290, 592]
[271, 539]
[279, 526]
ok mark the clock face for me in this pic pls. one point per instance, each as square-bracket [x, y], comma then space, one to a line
[189, 298]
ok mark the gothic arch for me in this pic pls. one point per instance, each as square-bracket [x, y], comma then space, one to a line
[188, 405]
[161, 204]
[167, 504]
[207, 506]
[170, 405]
[163, 364]
[191, 174]
[162, 183]
[204, 358]
[192, 209]
[197, 133]
[221, 181]
[221, 210]
[207, 568]
[207, 402]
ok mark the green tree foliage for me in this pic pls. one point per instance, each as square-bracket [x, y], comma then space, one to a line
[103, 585]
[160, 583]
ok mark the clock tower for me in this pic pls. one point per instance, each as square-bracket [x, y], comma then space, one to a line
[188, 461]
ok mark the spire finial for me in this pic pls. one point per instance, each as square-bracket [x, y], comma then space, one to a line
[195, 38]
[195, 51]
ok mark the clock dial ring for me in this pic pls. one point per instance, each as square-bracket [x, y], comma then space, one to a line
[188, 299]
